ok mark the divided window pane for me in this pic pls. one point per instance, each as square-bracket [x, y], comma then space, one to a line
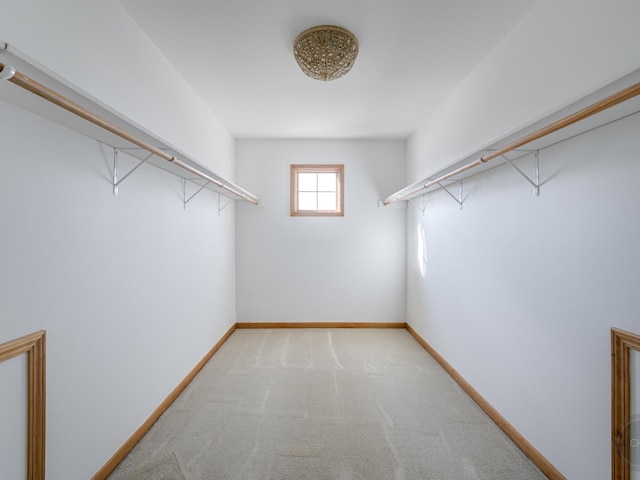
[327, 182]
[307, 201]
[326, 201]
[307, 182]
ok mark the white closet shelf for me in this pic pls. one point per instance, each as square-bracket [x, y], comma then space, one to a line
[110, 128]
[618, 100]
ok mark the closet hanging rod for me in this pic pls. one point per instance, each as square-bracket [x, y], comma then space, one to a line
[597, 107]
[37, 88]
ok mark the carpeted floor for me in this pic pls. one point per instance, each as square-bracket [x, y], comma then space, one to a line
[324, 404]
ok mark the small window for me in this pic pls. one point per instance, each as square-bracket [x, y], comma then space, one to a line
[316, 190]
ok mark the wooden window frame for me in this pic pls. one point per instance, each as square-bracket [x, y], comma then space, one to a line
[622, 343]
[310, 168]
[34, 346]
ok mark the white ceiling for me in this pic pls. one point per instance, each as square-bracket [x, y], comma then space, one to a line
[237, 55]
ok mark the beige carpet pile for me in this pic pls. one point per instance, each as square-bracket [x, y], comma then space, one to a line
[324, 404]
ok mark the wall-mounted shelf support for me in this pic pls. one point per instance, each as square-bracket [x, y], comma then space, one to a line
[460, 200]
[423, 207]
[220, 205]
[184, 192]
[116, 182]
[535, 182]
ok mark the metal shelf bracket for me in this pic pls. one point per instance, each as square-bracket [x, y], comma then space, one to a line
[220, 206]
[186, 200]
[422, 207]
[535, 182]
[116, 181]
[460, 200]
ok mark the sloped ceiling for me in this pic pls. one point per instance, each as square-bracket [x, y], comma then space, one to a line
[237, 55]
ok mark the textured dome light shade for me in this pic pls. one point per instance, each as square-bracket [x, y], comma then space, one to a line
[325, 52]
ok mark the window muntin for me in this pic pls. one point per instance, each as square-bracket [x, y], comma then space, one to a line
[316, 190]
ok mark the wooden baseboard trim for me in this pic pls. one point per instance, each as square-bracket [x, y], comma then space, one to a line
[243, 325]
[529, 450]
[124, 450]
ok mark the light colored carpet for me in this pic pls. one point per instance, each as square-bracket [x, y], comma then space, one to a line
[324, 404]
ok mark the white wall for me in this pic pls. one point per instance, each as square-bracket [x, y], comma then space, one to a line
[560, 51]
[309, 269]
[520, 292]
[132, 290]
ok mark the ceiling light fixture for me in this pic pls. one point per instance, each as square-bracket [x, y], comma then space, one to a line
[325, 52]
